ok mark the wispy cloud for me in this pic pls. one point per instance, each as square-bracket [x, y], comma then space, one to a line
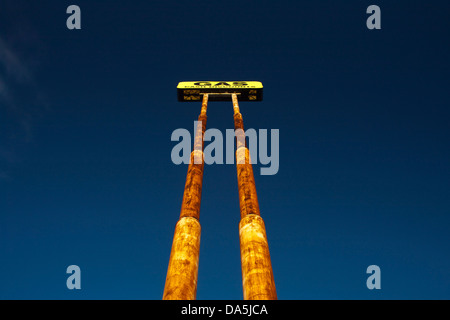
[4, 93]
[12, 72]
[17, 113]
[12, 65]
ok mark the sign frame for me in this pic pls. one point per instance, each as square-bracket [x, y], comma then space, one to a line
[192, 91]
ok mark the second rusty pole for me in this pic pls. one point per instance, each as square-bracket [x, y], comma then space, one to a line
[257, 275]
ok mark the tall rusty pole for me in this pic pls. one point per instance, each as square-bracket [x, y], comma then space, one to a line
[257, 275]
[182, 273]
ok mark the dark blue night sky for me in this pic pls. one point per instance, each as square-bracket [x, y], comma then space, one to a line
[86, 118]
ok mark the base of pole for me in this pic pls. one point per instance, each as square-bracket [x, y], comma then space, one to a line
[257, 275]
[182, 273]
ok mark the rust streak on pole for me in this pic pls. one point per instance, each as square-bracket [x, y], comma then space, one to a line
[257, 275]
[182, 272]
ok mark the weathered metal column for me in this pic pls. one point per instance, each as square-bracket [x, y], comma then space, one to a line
[181, 279]
[257, 275]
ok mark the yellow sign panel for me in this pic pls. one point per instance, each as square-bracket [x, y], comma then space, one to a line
[193, 90]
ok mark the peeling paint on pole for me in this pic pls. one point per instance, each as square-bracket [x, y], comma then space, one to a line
[181, 280]
[257, 276]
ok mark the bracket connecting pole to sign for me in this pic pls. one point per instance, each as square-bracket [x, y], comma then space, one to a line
[220, 93]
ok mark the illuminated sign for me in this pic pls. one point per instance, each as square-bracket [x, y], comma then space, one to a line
[189, 91]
